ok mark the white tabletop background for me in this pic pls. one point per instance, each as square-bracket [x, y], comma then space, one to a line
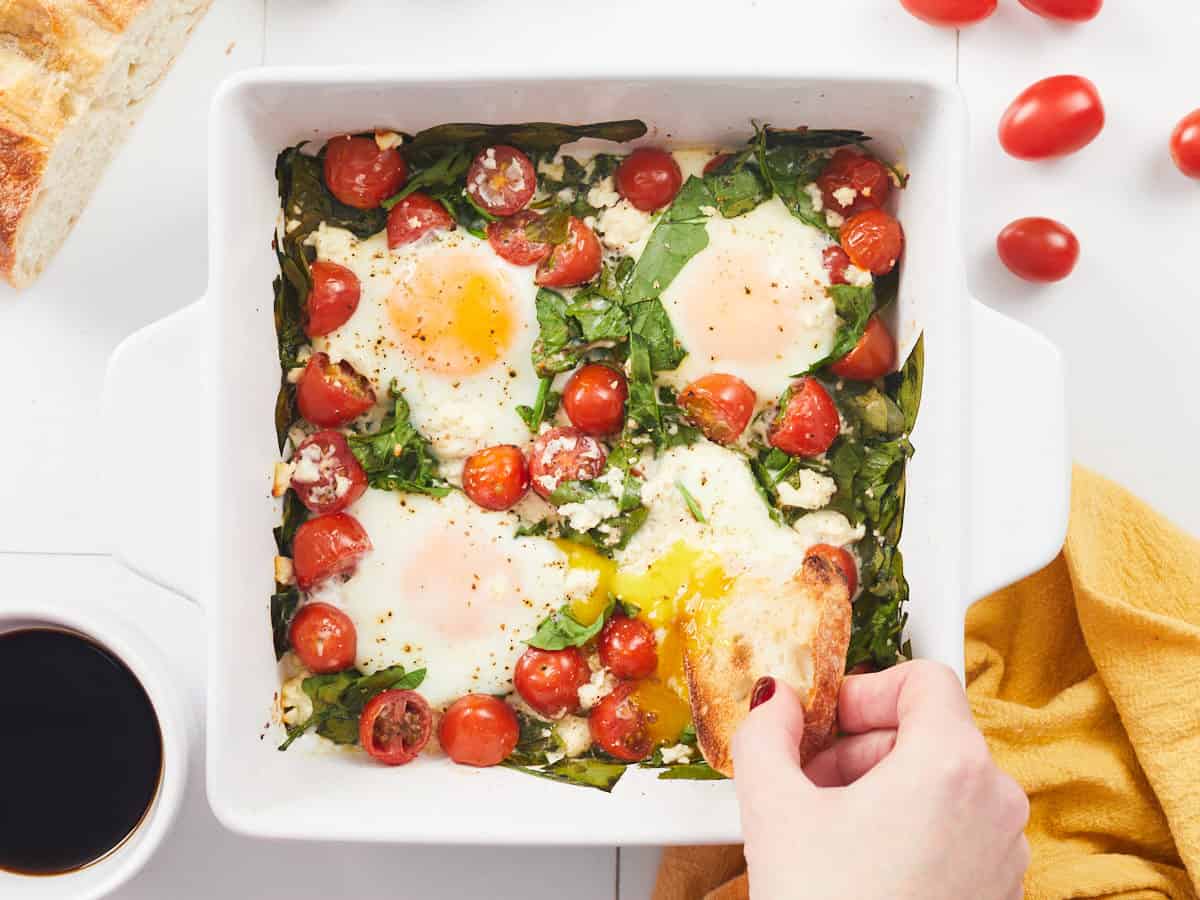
[1128, 320]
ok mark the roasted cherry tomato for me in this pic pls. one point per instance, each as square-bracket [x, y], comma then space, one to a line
[594, 399]
[619, 726]
[575, 261]
[496, 477]
[715, 163]
[549, 680]
[853, 181]
[501, 180]
[808, 421]
[327, 545]
[332, 299]
[835, 260]
[331, 394]
[1038, 249]
[414, 216]
[648, 178]
[1065, 10]
[395, 726]
[507, 237]
[628, 648]
[563, 454]
[719, 405]
[478, 730]
[872, 357]
[950, 13]
[326, 476]
[1185, 144]
[1052, 117]
[873, 241]
[840, 559]
[360, 174]
[323, 637]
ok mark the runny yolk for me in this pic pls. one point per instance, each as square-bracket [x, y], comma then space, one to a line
[587, 609]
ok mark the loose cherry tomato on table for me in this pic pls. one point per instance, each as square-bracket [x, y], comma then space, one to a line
[628, 648]
[719, 405]
[618, 725]
[648, 178]
[808, 421]
[1185, 144]
[873, 241]
[496, 477]
[332, 394]
[360, 174]
[575, 261]
[332, 299]
[327, 545]
[872, 357]
[563, 454]
[478, 730]
[855, 178]
[549, 680]
[326, 476]
[594, 399]
[395, 726]
[1038, 249]
[324, 638]
[415, 216]
[501, 180]
[836, 261]
[508, 239]
[950, 13]
[1065, 10]
[840, 559]
[1052, 117]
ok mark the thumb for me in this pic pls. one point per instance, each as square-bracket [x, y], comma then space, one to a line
[766, 746]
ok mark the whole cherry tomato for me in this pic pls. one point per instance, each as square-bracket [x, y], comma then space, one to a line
[575, 261]
[549, 680]
[873, 241]
[332, 394]
[415, 216]
[563, 454]
[360, 174]
[628, 648]
[501, 180]
[326, 475]
[807, 422]
[872, 357]
[950, 13]
[507, 237]
[594, 399]
[1038, 249]
[332, 299]
[1185, 144]
[853, 181]
[1052, 117]
[1065, 10]
[324, 638]
[719, 405]
[618, 725]
[395, 726]
[648, 178]
[840, 559]
[478, 730]
[327, 545]
[496, 477]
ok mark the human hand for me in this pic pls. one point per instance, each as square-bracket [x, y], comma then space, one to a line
[907, 804]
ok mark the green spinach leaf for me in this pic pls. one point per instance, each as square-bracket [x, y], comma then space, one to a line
[678, 236]
[542, 137]
[692, 505]
[561, 629]
[397, 457]
[544, 406]
[338, 700]
[283, 607]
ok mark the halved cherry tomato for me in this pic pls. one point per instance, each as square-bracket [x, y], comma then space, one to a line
[549, 680]
[594, 399]
[840, 559]
[564, 454]
[872, 357]
[619, 726]
[478, 730]
[950, 13]
[507, 237]
[715, 163]
[413, 217]
[1038, 249]
[835, 260]
[1052, 117]
[575, 261]
[331, 394]
[395, 726]
[857, 179]
[808, 421]
[501, 180]
[327, 545]
[360, 174]
[628, 648]
[332, 299]
[496, 477]
[873, 241]
[326, 476]
[323, 637]
[719, 405]
[1185, 144]
[648, 178]
[1065, 10]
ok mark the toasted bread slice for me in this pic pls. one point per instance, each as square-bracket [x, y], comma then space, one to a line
[798, 634]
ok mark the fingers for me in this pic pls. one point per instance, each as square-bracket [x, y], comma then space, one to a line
[766, 747]
[850, 758]
[919, 690]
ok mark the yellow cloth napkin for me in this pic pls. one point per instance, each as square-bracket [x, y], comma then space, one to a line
[1085, 678]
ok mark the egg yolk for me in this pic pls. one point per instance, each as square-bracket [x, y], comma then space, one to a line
[587, 609]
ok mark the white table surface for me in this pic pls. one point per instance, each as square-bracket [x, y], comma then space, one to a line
[1127, 320]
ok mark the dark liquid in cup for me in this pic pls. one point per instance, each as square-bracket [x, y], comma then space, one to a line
[80, 751]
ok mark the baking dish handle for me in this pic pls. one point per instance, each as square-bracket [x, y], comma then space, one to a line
[1019, 475]
[156, 426]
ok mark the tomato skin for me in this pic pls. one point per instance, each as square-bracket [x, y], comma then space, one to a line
[719, 405]
[1052, 117]
[333, 298]
[1038, 249]
[950, 13]
[1065, 10]
[1185, 144]
[478, 730]
[501, 180]
[563, 454]
[415, 216]
[594, 399]
[628, 648]
[648, 178]
[549, 680]
[496, 477]
[873, 240]
[335, 461]
[841, 559]
[872, 357]
[327, 545]
[575, 261]
[395, 726]
[808, 423]
[867, 177]
[836, 261]
[329, 395]
[323, 637]
[715, 163]
[619, 726]
[507, 237]
[361, 175]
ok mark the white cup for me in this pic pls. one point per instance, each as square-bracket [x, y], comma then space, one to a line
[176, 725]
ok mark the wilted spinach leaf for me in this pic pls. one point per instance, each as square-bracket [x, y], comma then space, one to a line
[543, 137]
[561, 629]
[679, 235]
[283, 607]
[397, 457]
[544, 406]
[854, 307]
[339, 698]
[307, 200]
[651, 322]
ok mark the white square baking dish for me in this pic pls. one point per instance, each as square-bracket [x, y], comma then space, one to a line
[979, 513]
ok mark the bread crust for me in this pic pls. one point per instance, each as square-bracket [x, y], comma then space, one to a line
[22, 162]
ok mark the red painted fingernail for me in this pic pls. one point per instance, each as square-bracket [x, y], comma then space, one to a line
[764, 690]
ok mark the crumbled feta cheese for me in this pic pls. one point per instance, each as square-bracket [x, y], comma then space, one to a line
[624, 225]
[828, 527]
[282, 479]
[680, 753]
[489, 158]
[597, 689]
[708, 210]
[580, 583]
[307, 465]
[386, 140]
[614, 479]
[814, 491]
[856, 276]
[815, 195]
[294, 375]
[834, 220]
[566, 195]
[552, 170]
[296, 705]
[603, 194]
[285, 572]
[845, 196]
[587, 515]
[573, 731]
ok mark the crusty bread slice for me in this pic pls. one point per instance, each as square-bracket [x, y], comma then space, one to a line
[798, 635]
[74, 75]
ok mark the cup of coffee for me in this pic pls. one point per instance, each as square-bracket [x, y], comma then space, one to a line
[94, 742]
